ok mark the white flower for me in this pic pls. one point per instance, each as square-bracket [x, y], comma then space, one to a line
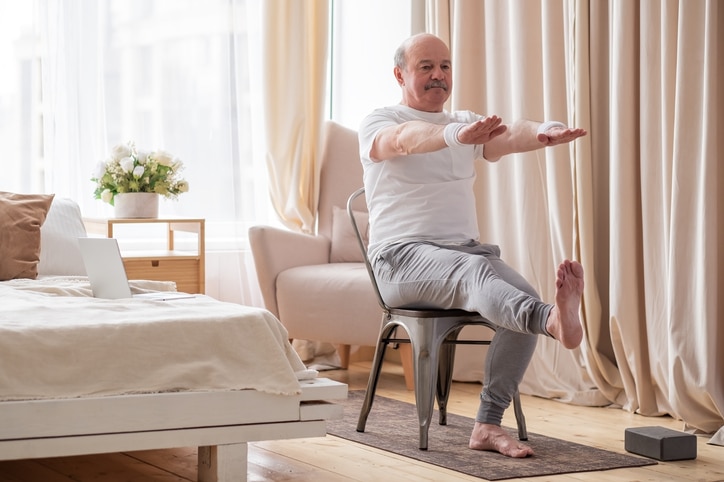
[163, 158]
[106, 196]
[120, 151]
[127, 164]
[131, 170]
[100, 170]
[142, 156]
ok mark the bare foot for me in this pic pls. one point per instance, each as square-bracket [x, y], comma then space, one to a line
[493, 438]
[563, 322]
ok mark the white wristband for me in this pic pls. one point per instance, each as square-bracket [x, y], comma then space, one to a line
[450, 134]
[543, 128]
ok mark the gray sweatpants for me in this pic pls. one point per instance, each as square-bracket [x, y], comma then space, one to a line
[471, 277]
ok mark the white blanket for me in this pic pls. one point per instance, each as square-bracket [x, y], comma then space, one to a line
[57, 341]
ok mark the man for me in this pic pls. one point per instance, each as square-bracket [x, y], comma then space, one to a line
[418, 174]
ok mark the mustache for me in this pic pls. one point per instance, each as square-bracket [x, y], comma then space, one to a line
[436, 83]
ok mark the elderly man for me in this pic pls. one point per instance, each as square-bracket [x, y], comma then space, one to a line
[418, 164]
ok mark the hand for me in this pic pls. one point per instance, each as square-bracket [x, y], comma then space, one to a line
[560, 135]
[481, 131]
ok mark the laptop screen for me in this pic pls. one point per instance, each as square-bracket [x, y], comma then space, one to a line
[104, 266]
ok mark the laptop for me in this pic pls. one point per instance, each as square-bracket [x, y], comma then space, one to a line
[107, 275]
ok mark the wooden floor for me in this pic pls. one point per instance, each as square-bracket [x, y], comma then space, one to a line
[331, 459]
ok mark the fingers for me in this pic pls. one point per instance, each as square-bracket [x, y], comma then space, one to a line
[559, 135]
[481, 131]
[488, 125]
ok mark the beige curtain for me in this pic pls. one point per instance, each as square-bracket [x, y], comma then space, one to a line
[294, 67]
[663, 202]
[636, 201]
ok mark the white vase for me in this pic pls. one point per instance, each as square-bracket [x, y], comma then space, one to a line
[136, 205]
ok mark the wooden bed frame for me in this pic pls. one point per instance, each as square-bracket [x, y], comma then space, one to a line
[219, 423]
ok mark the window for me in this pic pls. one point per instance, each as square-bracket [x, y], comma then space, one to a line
[170, 74]
[364, 36]
[20, 119]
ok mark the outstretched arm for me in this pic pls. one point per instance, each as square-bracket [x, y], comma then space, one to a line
[523, 136]
[417, 137]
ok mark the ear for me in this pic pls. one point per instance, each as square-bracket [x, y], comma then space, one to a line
[398, 76]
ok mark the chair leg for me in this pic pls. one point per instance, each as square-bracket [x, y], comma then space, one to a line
[426, 361]
[444, 380]
[374, 376]
[519, 417]
[424, 394]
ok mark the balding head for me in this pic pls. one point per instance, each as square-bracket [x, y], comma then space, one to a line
[423, 70]
[401, 52]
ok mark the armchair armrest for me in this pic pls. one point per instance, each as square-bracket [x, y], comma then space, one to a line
[275, 250]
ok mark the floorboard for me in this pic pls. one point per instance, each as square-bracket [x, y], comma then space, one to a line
[331, 459]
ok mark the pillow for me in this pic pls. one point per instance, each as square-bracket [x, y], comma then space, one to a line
[21, 216]
[345, 248]
[59, 250]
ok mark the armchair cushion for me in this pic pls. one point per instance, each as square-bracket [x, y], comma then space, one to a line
[332, 302]
[275, 250]
[344, 241]
[302, 280]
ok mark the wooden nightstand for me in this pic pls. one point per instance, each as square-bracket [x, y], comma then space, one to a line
[185, 267]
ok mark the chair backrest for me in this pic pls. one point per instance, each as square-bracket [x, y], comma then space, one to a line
[414, 312]
[362, 247]
[341, 173]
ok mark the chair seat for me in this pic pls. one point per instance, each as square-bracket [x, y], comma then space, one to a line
[432, 313]
[322, 302]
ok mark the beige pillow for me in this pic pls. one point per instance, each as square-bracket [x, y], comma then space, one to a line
[21, 216]
[345, 248]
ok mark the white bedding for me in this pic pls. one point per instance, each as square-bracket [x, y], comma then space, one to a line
[57, 341]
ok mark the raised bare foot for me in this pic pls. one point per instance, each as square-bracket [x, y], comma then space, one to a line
[493, 438]
[563, 322]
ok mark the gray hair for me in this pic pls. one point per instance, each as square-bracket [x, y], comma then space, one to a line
[401, 52]
[400, 55]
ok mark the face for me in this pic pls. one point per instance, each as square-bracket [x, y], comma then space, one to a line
[426, 79]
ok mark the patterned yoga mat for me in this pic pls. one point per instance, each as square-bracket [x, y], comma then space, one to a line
[392, 426]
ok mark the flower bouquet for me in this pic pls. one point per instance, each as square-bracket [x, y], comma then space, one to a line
[130, 170]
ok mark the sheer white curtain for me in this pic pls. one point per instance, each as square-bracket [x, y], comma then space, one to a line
[172, 75]
[20, 122]
[72, 95]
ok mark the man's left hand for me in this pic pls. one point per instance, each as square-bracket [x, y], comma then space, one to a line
[560, 135]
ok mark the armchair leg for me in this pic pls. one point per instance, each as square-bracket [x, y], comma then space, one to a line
[407, 367]
[343, 351]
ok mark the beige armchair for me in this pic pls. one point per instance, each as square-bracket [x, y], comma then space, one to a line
[317, 285]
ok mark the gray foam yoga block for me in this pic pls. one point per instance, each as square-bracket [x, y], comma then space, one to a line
[660, 443]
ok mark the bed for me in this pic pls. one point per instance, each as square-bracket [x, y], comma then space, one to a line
[82, 375]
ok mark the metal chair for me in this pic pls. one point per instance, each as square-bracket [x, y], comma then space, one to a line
[433, 337]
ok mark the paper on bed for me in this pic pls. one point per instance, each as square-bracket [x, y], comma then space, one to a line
[55, 346]
[80, 286]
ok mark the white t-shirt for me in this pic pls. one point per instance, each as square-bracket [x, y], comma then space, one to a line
[419, 196]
